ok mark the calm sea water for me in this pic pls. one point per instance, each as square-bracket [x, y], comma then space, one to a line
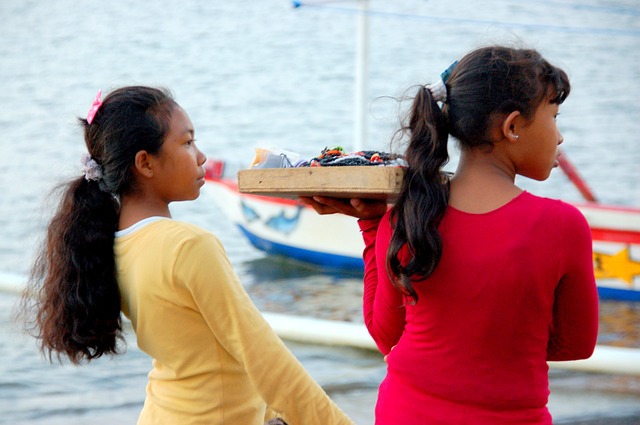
[263, 74]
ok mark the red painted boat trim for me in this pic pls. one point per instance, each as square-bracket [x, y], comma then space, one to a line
[598, 207]
[233, 185]
[272, 200]
[598, 234]
[609, 235]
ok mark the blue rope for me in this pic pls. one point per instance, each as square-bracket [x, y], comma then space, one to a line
[451, 20]
[594, 8]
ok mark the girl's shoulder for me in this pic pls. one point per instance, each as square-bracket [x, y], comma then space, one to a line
[548, 203]
[187, 241]
[171, 232]
[183, 227]
[554, 210]
[185, 231]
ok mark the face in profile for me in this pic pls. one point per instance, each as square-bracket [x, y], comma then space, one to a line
[180, 173]
[542, 139]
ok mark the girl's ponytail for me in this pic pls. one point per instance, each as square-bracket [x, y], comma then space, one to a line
[74, 278]
[424, 194]
[73, 291]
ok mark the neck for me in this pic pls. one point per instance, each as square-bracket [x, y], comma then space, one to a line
[482, 182]
[489, 166]
[135, 208]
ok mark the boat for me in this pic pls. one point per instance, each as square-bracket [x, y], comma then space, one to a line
[285, 227]
[281, 226]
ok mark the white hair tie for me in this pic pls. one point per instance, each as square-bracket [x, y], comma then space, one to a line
[91, 169]
[439, 89]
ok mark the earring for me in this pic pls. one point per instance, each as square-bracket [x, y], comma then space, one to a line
[515, 136]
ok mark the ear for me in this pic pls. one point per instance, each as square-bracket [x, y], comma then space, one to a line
[143, 164]
[509, 126]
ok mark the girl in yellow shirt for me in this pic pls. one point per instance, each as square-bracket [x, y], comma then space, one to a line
[112, 247]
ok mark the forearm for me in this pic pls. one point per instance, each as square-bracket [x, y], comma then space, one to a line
[383, 308]
[575, 316]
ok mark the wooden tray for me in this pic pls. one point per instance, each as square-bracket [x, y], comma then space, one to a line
[370, 182]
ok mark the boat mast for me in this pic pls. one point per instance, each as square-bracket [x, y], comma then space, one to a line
[361, 75]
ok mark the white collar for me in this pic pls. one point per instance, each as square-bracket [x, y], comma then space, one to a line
[137, 226]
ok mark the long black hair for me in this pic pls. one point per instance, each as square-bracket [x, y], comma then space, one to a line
[487, 83]
[73, 293]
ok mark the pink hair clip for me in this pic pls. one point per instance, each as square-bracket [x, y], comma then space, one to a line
[97, 103]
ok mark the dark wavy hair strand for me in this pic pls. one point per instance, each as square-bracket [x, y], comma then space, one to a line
[483, 88]
[72, 303]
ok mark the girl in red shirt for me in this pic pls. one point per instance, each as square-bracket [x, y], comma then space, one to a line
[471, 283]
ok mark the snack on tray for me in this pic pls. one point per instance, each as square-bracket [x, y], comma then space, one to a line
[336, 156]
[364, 174]
[329, 157]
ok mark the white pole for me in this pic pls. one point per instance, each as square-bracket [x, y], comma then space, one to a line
[361, 75]
[618, 360]
[12, 283]
[320, 331]
[605, 359]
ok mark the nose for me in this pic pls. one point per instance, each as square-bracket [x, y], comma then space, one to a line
[560, 138]
[202, 158]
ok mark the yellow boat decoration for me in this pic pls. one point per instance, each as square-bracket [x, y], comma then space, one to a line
[616, 266]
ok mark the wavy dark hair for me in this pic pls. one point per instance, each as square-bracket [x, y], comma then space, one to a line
[487, 84]
[73, 303]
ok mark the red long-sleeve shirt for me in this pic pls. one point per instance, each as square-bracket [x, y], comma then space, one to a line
[514, 288]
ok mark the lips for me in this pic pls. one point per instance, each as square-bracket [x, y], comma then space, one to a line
[203, 175]
[201, 180]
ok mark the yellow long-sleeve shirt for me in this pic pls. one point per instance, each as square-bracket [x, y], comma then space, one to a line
[215, 359]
